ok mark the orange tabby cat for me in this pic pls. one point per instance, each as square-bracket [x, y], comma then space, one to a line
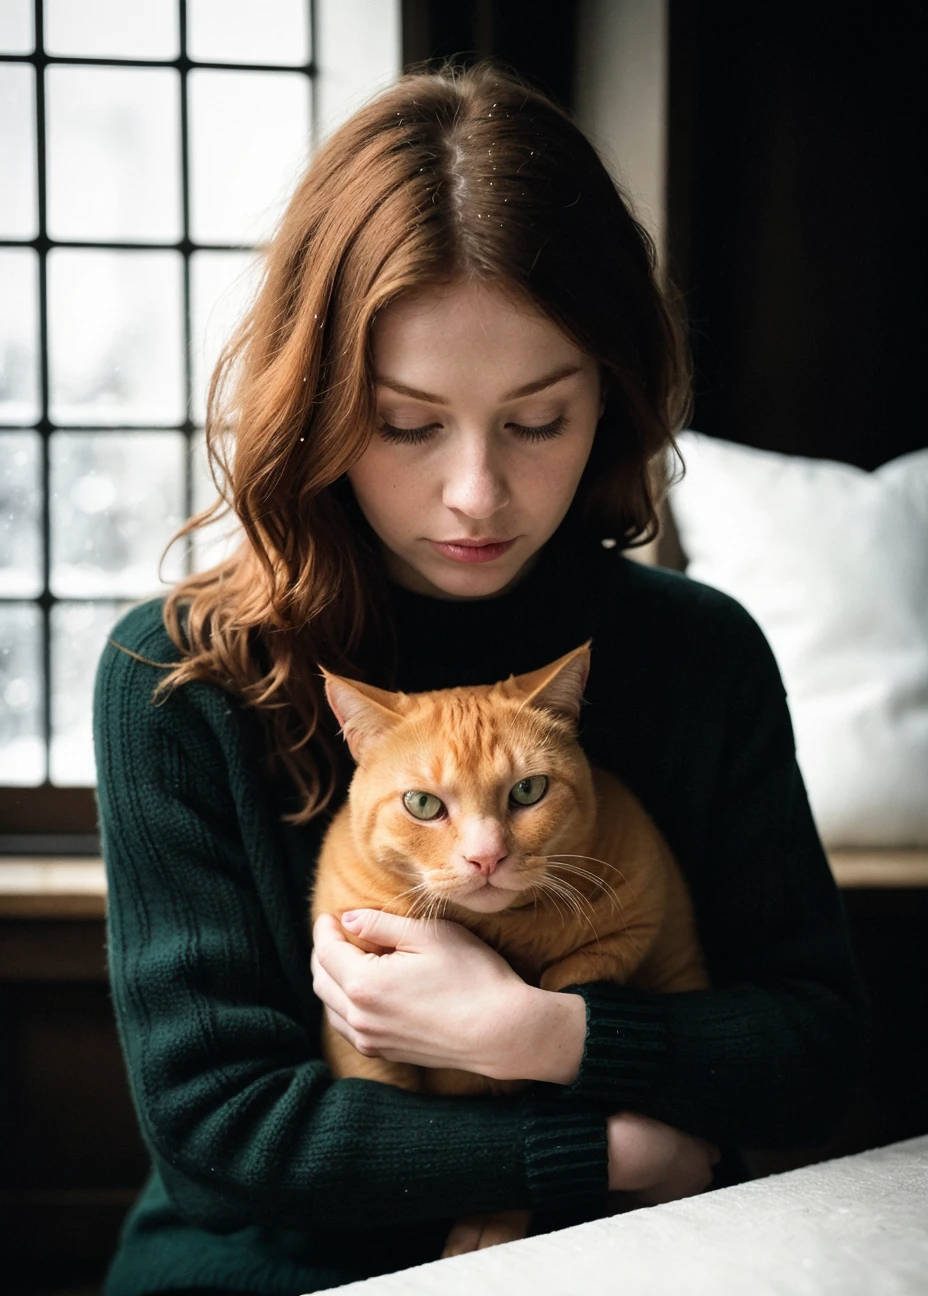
[478, 805]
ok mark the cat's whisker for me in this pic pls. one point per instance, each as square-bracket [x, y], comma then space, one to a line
[418, 886]
[620, 907]
[572, 900]
[600, 881]
[593, 860]
[575, 868]
[433, 904]
[540, 887]
[572, 868]
[558, 886]
[429, 899]
[605, 864]
[420, 900]
[553, 898]
[581, 899]
[593, 877]
[436, 907]
[578, 901]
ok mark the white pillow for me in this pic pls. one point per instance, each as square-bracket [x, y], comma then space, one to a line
[832, 562]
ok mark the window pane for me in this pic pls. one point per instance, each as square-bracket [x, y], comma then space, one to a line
[78, 636]
[116, 350]
[249, 142]
[116, 500]
[240, 31]
[19, 336]
[112, 28]
[17, 34]
[22, 746]
[220, 537]
[18, 210]
[114, 154]
[222, 284]
[20, 514]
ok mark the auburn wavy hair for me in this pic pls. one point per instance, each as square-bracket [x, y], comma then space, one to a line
[447, 173]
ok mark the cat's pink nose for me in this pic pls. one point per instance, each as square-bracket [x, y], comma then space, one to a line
[483, 844]
[487, 861]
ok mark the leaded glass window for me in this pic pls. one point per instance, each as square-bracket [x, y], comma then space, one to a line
[146, 151]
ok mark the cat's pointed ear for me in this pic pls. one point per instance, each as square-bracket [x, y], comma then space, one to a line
[558, 687]
[364, 713]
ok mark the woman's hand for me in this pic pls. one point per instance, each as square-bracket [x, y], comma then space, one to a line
[655, 1162]
[437, 996]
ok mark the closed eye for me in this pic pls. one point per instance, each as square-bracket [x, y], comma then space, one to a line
[407, 436]
[416, 436]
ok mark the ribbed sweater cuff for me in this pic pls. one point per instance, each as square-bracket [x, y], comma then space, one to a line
[565, 1155]
[625, 1054]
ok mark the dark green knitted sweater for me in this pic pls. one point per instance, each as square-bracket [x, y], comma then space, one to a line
[268, 1175]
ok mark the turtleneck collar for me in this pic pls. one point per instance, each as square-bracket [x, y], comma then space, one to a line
[442, 643]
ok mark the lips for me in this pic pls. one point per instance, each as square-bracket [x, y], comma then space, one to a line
[465, 543]
[472, 551]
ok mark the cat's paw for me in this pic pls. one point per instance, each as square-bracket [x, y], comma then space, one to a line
[476, 1232]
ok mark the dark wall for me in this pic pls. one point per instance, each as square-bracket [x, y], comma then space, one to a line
[534, 36]
[797, 156]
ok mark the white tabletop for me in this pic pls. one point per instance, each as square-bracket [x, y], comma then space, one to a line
[857, 1226]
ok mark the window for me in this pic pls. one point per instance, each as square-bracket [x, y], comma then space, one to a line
[145, 152]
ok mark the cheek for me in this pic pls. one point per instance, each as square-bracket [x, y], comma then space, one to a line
[383, 489]
[556, 474]
[576, 454]
[427, 847]
[535, 830]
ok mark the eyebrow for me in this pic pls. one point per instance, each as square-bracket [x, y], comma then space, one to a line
[549, 380]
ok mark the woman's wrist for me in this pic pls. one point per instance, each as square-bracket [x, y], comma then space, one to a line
[549, 1037]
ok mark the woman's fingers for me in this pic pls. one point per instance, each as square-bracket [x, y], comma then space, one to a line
[354, 1039]
[386, 929]
[327, 988]
[334, 951]
[339, 1008]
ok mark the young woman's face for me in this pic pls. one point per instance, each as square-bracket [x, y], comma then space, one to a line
[486, 414]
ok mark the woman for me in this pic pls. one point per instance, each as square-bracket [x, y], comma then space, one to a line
[449, 392]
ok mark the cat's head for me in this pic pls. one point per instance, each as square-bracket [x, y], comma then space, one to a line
[464, 793]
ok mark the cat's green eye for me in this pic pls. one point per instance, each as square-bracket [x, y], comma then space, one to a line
[529, 790]
[424, 805]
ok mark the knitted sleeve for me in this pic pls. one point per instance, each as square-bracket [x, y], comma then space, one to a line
[239, 1112]
[770, 1055]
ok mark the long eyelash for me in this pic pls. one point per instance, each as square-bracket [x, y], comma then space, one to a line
[408, 436]
[415, 436]
[547, 432]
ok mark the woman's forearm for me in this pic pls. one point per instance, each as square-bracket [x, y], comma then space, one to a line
[547, 1037]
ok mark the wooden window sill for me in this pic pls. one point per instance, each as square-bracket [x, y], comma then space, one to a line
[41, 887]
[71, 888]
[880, 870]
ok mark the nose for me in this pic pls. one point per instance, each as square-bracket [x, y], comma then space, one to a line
[487, 862]
[475, 483]
[484, 846]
